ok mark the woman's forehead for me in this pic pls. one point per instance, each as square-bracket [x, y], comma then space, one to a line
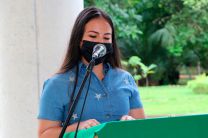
[99, 25]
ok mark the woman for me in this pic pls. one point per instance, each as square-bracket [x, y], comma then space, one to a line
[112, 95]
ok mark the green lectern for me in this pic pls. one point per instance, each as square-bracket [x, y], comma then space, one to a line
[193, 126]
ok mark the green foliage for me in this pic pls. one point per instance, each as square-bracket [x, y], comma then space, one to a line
[138, 69]
[134, 61]
[169, 33]
[199, 85]
[157, 37]
[161, 36]
[190, 36]
[196, 4]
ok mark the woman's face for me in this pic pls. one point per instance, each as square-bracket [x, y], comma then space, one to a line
[98, 30]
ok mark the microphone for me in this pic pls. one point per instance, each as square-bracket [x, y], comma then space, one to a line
[99, 50]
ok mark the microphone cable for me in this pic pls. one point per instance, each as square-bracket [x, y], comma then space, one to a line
[75, 135]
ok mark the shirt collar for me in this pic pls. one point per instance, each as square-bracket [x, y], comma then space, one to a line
[82, 67]
[107, 67]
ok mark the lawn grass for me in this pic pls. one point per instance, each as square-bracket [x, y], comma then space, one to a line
[172, 100]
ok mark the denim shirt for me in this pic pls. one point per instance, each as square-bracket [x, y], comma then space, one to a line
[108, 99]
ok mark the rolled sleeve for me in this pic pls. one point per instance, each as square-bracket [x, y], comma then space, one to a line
[135, 101]
[51, 107]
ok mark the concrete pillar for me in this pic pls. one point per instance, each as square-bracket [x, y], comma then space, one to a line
[33, 39]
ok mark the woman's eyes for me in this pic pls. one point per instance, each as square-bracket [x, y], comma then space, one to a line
[106, 38]
[94, 36]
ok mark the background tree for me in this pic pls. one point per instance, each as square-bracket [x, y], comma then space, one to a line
[169, 33]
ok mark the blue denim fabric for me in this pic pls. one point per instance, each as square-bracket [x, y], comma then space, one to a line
[107, 100]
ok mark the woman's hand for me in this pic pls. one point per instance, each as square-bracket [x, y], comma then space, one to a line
[87, 124]
[126, 117]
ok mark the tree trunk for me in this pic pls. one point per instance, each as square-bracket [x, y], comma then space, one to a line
[147, 81]
[198, 67]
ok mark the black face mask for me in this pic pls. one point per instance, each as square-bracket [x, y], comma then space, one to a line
[87, 49]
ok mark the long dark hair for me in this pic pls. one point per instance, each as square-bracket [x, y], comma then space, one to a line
[73, 52]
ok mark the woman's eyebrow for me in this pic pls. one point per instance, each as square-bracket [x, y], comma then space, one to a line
[93, 32]
[98, 32]
[107, 34]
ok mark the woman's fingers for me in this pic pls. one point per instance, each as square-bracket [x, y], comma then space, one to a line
[87, 126]
[88, 123]
[127, 117]
[94, 121]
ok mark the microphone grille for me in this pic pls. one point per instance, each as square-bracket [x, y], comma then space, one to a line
[99, 50]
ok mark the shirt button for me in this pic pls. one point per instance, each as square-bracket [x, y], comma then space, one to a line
[107, 115]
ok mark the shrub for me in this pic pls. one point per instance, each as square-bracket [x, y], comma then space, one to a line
[199, 85]
[138, 69]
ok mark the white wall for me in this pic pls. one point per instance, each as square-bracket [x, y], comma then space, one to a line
[33, 38]
[55, 21]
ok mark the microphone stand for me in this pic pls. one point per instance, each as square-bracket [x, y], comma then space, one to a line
[74, 104]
